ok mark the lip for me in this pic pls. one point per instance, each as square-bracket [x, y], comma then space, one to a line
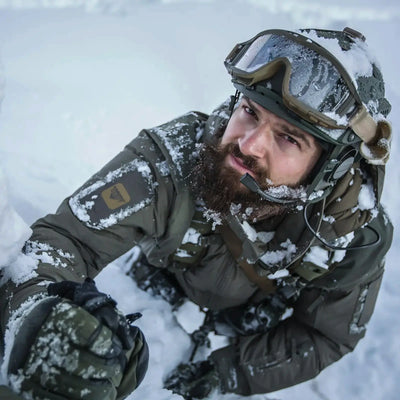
[238, 165]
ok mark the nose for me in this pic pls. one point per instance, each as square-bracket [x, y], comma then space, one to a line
[256, 142]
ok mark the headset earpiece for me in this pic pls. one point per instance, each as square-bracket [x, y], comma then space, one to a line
[344, 164]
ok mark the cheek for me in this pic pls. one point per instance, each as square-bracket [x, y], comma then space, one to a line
[288, 168]
[306, 166]
[227, 136]
[232, 131]
[291, 171]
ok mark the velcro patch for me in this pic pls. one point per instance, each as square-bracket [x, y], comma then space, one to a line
[114, 197]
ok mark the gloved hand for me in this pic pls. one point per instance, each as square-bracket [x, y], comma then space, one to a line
[77, 345]
[157, 281]
[193, 380]
[250, 319]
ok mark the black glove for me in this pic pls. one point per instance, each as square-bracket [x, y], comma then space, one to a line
[158, 282]
[193, 380]
[77, 346]
[250, 319]
[100, 305]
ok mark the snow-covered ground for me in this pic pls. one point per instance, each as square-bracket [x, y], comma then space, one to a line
[81, 78]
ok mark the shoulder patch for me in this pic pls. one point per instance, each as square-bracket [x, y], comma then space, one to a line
[114, 197]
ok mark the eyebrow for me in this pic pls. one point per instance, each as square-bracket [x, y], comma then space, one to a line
[285, 125]
[297, 133]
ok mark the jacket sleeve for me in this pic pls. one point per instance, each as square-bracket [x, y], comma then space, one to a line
[123, 203]
[326, 324]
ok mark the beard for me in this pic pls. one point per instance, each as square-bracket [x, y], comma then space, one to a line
[219, 186]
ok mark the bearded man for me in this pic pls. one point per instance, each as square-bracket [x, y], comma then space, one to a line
[256, 213]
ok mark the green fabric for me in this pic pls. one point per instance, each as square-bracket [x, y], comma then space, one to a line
[129, 380]
[74, 356]
[7, 394]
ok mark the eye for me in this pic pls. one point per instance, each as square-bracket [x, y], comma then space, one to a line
[249, 110]
[290, 139]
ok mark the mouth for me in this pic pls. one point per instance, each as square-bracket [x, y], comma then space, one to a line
[238, 165]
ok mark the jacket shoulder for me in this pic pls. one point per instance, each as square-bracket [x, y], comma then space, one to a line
[178, 141]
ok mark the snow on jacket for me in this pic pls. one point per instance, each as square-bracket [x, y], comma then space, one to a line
[143, 197]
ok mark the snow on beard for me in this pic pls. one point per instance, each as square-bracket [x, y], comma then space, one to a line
[220, 188]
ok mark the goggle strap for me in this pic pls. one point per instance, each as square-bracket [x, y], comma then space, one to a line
[376, 137]
[378, 151]
[364, 126]
[234, 99]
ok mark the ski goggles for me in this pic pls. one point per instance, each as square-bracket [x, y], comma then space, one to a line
[315, 85]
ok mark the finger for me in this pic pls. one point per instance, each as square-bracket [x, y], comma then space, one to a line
[126, 333]
[72, 321]
[83, 329]
[36, 392]
[107, 315]
[174, 382]
[181, 377]
[135, 371]
[90, 366]
[62, 289]
[131, 318]
[62, 354]
[105, 344]
[62, 386]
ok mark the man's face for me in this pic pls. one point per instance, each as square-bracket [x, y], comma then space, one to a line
[271, 150]
[257, 142]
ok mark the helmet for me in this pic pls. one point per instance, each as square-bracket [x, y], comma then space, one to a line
[324, 82]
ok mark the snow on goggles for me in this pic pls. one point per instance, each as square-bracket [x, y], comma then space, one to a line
[315, 85]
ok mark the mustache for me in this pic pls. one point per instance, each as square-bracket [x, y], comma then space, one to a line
[248, 161]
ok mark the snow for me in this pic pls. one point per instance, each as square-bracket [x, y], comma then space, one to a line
[275, 257]
[265, 237]
[213, 217]
[366, 199]
[250, 232]
[318, 256]
[13, 327]
[281, 273]
[163, 168]
[176, 150]
[357, 61]
[191, 236]
[83, 77]
[13, 232]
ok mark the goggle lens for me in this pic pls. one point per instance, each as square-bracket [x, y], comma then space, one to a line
[314, 80]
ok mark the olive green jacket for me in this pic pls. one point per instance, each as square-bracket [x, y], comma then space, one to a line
[143, 197]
